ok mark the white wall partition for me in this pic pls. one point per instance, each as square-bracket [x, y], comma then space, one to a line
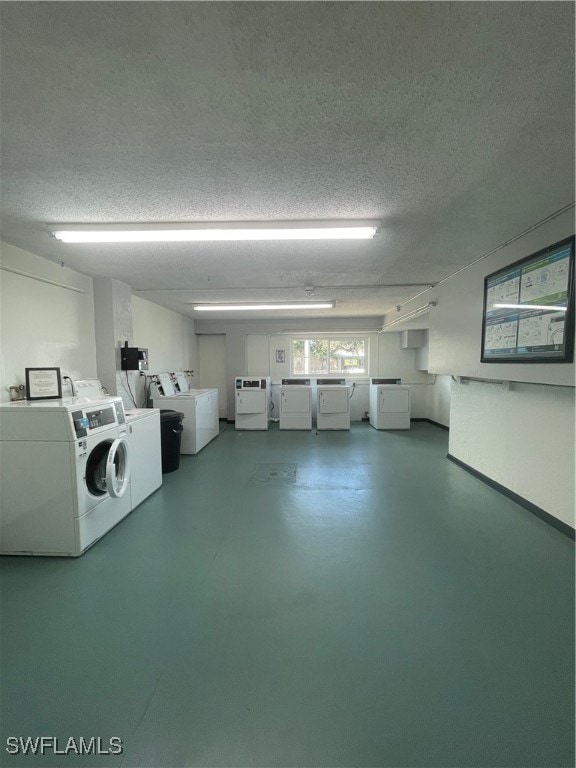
[439, 399]
[213, 372]
[522, 437]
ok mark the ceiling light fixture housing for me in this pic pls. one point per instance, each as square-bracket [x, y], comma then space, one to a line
[214, 231]
[259, 307]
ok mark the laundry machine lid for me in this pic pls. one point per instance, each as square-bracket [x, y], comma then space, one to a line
[182, 382]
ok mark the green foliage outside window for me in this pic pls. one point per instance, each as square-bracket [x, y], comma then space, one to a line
[325, 357]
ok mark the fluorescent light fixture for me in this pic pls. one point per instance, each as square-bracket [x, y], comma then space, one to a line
[529, 306]
[257, 307]
[159, 233]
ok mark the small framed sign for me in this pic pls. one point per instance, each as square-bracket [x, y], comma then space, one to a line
[280, 356]
[43, 383]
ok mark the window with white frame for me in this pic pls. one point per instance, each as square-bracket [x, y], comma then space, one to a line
[326, 356]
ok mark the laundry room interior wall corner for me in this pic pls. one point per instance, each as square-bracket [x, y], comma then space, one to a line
[46, 320]
[168, 336]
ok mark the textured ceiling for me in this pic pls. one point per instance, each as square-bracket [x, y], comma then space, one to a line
[451, 123]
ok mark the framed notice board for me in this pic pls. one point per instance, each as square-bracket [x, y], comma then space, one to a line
[529, 309]
[43, 383]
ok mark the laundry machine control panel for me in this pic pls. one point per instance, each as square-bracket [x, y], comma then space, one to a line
[251, 383]
[295, 382]
[87, 419]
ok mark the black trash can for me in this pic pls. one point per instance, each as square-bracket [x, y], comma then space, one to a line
[170, 436]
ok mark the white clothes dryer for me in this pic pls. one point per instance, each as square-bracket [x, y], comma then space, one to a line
[333, 407]
[66, 474]
[296, 404]
[252, 402]
[389, 404]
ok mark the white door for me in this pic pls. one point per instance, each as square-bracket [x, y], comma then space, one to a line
[295, 401]
[333, 400]
[212, 367]
[251, 401]
[107, 470]
[394, 400]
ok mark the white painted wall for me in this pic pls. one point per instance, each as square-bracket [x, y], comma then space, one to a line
[43, 324]
[113, 319]
[438, 400]
[168, 337]
[212, 368]
[522, 438]
[258, 362]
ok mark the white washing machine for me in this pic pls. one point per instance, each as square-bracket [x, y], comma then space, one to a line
[333, 404]
[296, 404]
[65, 474]
[143, 426]
[252, 402]
[145, 453]
[200, 408]
[389, 404]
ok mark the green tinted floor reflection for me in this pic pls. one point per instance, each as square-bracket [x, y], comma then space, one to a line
[302, 599]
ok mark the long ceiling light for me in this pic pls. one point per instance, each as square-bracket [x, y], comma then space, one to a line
[157, 233]
[257, 307]
[530, 306]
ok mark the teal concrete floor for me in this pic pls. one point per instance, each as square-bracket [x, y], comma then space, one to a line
[302, 599]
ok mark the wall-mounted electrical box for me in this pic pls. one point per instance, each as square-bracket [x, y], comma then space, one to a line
[412, 339]
[133, 359]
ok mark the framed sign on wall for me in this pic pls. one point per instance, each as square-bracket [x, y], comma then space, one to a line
[528, 312]
[43, 383]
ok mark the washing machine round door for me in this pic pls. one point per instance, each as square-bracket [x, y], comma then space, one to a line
[108, 468]
[118, 468]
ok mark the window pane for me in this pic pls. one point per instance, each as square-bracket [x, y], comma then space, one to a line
[347, 356]
[329, 357]
[310, 357]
